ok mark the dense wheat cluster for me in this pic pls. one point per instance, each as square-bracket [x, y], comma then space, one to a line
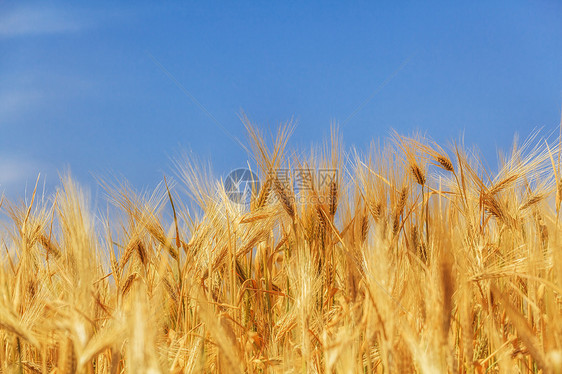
[407, 258]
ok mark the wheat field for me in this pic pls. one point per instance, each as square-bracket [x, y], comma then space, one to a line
[408, 257]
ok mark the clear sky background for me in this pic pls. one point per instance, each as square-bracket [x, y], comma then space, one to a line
[79, 88]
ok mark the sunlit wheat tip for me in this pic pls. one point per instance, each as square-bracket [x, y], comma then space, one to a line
[418, 174]
[445, 163]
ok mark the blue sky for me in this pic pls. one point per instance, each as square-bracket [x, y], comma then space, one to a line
[79, 88]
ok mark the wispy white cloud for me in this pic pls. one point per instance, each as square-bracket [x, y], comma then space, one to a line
[23, 94]
[16, 170]
[16, 102]
[18, 174]
[38, 20]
